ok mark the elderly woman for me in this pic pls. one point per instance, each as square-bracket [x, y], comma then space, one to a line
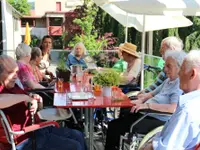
[119, 63]
[23, 54]
[76, 56]
[45, 47]
[164, 99]
[19, 116]
[36, 57]
[131, 56]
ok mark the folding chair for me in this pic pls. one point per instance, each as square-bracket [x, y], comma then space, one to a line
[7, 135]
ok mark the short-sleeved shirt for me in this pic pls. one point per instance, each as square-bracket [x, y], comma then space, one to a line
[168, 92]
[120, 65]
[25, 74]
[19, 115]
[72, 60]
[182, 131]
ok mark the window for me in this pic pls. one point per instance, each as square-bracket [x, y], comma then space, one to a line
[55, 21]
[58, 6]
[57, 42]
[30, 21]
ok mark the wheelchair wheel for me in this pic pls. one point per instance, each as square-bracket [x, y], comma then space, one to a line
[149, 136]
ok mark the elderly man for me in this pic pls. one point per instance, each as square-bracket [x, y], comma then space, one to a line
[169, 43]
[164, 99]
[182, 131]
[16, 109]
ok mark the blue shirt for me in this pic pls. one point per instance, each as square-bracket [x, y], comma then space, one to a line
[72, 60]
[168, 92]
[182, 131]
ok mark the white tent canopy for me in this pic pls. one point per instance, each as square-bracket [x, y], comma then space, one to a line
[157, 7]
[153, 22]
[154, 7]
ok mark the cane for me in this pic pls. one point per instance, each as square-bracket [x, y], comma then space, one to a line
[33, 133]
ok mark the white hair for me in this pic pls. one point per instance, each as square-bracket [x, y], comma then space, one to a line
[82, 45]
[173, 43]
[23, 50]
[192, 60]
[179, 56]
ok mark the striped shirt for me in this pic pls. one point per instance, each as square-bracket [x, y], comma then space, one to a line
[159, 80]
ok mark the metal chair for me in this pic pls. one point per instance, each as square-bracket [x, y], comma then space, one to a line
[132, 141]
[7, 135]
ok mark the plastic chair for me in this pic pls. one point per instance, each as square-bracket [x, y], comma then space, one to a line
[53, 114]
[7, 135]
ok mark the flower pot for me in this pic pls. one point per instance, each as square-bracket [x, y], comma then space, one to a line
[65, 75]
[107, 91]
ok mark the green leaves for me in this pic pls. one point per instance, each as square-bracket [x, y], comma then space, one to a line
[89, 36]
[21, 5]
[107, 77]
[62, 65]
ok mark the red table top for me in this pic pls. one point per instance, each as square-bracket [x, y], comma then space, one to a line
[61, 99]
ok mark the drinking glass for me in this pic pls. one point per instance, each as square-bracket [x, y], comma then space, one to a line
[60, 84]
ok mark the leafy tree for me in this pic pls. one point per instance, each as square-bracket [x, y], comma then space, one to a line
[21, 5]
[89, 36]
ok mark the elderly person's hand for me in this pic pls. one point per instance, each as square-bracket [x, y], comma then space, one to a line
[34, 106]
[138, 107]
[144, 97]
[38, 98]
[141, 92]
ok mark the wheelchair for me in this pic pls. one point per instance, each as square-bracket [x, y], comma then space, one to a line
[134, 141]
[103, 116]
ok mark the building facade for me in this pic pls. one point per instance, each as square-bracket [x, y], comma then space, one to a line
[47, 18]
[10, 29]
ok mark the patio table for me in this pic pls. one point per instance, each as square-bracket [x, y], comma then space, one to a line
[61, 100]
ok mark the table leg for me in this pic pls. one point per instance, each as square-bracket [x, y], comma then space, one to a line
[91, 128]
[86, 123]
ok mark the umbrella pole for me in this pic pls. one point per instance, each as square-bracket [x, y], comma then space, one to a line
[126, 29]
[142, 54]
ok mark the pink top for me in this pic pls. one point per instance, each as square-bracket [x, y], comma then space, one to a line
[25, 74]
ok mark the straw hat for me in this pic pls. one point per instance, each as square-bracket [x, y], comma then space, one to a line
[129, 48]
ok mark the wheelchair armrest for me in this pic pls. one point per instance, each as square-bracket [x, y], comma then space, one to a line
[150, 111]
[40, 125]
[146, 113]
[44, 83]
[41, 90]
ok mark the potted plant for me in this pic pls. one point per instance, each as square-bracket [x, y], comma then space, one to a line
[62, 71]
[107, 78]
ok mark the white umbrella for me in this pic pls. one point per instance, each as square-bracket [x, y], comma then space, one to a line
[157, 7]
[161, 22]
[153, 22]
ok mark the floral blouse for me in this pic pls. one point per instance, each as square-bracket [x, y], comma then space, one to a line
[25, 74]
